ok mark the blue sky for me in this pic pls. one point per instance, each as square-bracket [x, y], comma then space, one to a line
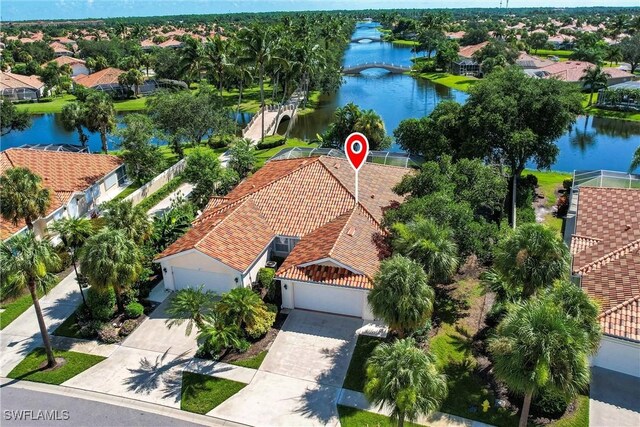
[75, 9]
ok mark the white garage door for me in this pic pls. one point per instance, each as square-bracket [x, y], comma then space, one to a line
[217, 282]
[330, 299]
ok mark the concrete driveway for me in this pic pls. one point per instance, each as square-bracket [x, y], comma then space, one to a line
[153, 335]
[300, 379]
[614, 399]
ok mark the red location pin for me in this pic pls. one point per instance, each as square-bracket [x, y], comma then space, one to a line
[356, 147]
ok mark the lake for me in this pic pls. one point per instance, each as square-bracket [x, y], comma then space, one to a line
[592, 143]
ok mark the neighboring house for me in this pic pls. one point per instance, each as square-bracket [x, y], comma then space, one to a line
[105, 80]
[78, 66]
[303, 214]
[531, 62]
[16, 87]
[455, 35]
[561, 40]
[60, 50]
[605, 244]
[572, 71]
[466, 64]
[147, 44]
[78, 182]
[171, 43]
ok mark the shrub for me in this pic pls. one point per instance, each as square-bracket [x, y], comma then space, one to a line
[133, 310]
[243, 346]
[562, 206]
[90, 328]
[127, 327]
[263, 323]
[265, 145]
[266, 279]
[550, 403]
[108, 334]
[101, 303]
[422, 334]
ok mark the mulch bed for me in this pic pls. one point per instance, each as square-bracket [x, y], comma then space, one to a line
[260, 345]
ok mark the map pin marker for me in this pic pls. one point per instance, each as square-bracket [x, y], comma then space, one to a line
[356, 147]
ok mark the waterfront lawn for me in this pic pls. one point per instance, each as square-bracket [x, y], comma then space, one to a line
[252, 362]
[264, 155]
[462, 83]
[401, 42]
[548, 183]
[352, 417]
[250, 98]
[202, 393]
[75, 363]
[56, 104]
[356, 374]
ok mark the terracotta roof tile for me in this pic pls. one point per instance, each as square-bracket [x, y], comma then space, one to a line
[62, 60]
[580, 243]
[15, 81]
[623, 320]
[108, 76]
[468, 51]
[329, 276]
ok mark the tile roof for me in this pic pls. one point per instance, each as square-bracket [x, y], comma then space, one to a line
[108, 76]
[329, 275]
[62, 172]
[606, 251]
[468, 51]
[572, 71]
[308, 198]
[622, 320]
[15, 81]
[62, 60]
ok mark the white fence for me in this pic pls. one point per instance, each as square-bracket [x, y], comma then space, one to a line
[156, 183]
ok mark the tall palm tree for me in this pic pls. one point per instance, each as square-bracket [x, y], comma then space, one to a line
[404, 378]
[428, 243]
[594, 79]
[73, 232]
[110, 260]
[635, 162]
[531, 258]
[73, 118]
[192, 305]
[191, 59]
[371, 125]
[23, 196]
[537, 346]
[131, 220]
[401, 295]
[216, 52]
[258, 42]
[27, 261]
[100, 116]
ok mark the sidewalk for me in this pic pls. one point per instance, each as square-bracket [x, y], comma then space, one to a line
[163, 205]
[23, 334]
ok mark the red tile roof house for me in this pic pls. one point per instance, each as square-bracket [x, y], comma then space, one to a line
[300, 210]
[78, 66]
[572, 71]
[605, 245]
[78, 182]
[16, 87]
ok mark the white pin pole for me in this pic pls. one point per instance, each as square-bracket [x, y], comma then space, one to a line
[356, 186]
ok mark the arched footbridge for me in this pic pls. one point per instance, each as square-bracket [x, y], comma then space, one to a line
[392, 68]
[364, 38]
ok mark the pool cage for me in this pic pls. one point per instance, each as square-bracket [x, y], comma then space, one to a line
[380, 157]
[594, 178]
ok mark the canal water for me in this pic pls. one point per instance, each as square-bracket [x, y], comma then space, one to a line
[592, 143]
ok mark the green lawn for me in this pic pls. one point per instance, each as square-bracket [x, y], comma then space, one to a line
[162, 192]
[455, 82]
[405, 42]
[264, 155]
[55, 106]
[356, 374]
[548, 182]
[252, 362]
[127, 191]
[352, 417]
[562, 54]
[578, 418]
[68, 328]
[202, 393]
[29, 368]
[16, 307]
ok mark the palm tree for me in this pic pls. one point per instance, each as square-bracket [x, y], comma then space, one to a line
[100, 116]
[428, 243]
[217, 52]
[110, 260]
[538, 346]
[133, 77]
[73, 232]
[131, 220]
[23, 196]
[192, 305]
[404, 378]
[217, 335]
[594, 79]
[191, 60]
[258, 42]
[401, 295]
[27, 261]
[242, 306]
[531, 258]
[635, 162]
[73, 118]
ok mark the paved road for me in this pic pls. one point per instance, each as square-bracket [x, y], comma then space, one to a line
[80, 412]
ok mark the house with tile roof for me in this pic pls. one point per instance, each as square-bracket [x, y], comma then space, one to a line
[303, 214]
[78, 182]
[605, 245]
[466, 65]
[105, 80]
[572, 71]
[78, 66]
[16, 87]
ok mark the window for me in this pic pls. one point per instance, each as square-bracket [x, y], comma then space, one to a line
[111, 181]
[281, 244]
